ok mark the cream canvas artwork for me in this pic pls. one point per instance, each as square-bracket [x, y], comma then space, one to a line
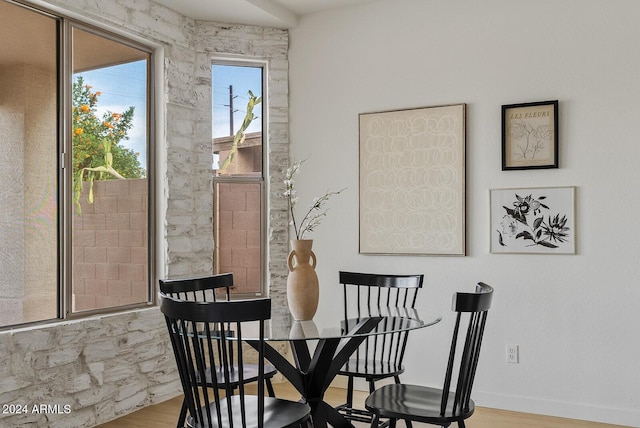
[412, 181]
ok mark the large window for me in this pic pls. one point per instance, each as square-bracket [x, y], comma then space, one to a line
[238, 158]
[74, 131]
[109, 117]
[28, 166]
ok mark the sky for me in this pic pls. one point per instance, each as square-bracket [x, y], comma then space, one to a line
[243, 79]
[121, 87]
[125, 85]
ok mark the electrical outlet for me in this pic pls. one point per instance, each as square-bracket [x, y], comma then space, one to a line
[512, 354]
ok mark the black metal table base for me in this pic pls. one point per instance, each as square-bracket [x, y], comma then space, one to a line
[312, 375]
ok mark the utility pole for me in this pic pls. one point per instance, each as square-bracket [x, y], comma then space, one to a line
[231, 110]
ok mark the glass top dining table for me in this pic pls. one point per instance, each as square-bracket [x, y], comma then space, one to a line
[335, 340]
[282, 326]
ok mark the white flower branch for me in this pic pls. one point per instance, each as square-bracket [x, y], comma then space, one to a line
[314, 215]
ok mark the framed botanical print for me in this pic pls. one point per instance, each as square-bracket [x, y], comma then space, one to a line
[530, 135]
[533, 220]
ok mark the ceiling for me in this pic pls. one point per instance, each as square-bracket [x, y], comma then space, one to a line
[30, 38]
[38, 47]
[267, 13]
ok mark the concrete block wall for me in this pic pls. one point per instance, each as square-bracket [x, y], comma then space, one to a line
[239, 223]
[110, 246]
[106, 366]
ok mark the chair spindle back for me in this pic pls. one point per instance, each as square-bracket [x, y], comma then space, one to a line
[475, 307]
[195, 329]
[367, 293]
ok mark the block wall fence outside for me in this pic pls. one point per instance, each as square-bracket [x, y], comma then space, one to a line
[106, 366]
[110, 246]
[238, 213]
[239, 223]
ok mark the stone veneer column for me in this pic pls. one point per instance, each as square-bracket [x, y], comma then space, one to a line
[270, 45]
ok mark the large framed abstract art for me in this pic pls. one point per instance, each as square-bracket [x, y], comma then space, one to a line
[412, 181]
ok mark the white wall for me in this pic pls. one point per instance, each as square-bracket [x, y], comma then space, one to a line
[574, 317]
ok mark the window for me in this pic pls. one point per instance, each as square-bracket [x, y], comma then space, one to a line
[28, 166]
[110, 186]
[238, 158]
[74, 137]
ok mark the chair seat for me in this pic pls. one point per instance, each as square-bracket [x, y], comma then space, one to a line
[278, 413]
[250, 374]
[418, 403]
[371, 369]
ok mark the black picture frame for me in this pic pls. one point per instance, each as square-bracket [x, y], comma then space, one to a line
[530, 135]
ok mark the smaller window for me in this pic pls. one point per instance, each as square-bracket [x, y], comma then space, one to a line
[239, 208]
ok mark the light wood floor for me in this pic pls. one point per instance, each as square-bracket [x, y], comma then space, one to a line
[165, 415]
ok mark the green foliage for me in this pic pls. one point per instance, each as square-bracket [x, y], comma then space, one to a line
[97, 154]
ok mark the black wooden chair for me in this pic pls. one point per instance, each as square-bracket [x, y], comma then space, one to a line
[196, 330]
[441, 406]
[380, 356]
[211, 289]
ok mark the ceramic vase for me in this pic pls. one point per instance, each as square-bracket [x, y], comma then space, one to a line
[302, 282]
[303, 330]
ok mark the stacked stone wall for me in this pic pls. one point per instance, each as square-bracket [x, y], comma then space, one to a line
[85, 372]
[217, 41]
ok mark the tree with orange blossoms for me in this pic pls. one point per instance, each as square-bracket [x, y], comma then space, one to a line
[97, 152]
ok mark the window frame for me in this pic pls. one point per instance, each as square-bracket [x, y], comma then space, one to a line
[64, 191]
[244, 179]
[66, 83]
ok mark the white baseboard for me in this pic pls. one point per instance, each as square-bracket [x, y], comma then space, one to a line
[587, 412]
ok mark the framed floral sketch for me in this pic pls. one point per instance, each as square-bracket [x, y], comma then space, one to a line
[412, 181]
[530, 135]
[533, 220]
